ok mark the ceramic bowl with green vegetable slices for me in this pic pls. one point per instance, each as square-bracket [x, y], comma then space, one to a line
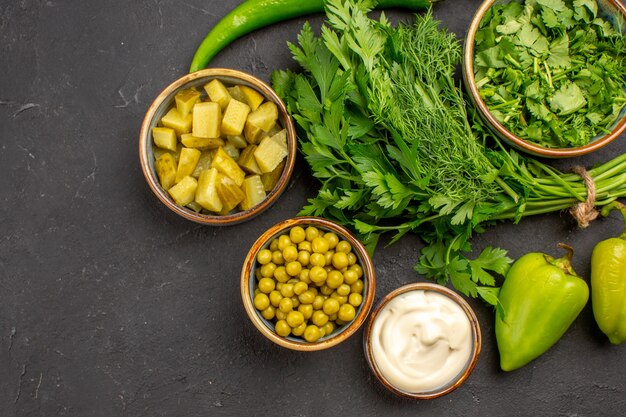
[307, 284]
[549, 76]
[217, 146]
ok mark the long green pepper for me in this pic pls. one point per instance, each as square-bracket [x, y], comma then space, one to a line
[256, 14]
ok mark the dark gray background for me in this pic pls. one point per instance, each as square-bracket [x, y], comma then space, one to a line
[110, 305]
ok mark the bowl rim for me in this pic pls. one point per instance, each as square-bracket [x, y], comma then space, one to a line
[145, 141]
[368, 273]
[476, 333]
[527, 146]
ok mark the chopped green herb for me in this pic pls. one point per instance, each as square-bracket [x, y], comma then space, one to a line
[551, 71]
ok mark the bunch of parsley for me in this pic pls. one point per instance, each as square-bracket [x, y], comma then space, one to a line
[550, 71]
[384, 128]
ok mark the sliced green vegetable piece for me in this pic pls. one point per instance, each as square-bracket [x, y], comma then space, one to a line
[184, 192]
[165, 167]
[189, 158]
[254, 192]
[206, 193]
[227, 166]
[164, 137]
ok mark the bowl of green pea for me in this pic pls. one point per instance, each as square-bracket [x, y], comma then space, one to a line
[307, 284]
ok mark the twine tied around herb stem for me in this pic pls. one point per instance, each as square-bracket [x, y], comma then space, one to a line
[585, 213]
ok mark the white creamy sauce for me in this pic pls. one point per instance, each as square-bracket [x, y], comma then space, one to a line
[421, 340]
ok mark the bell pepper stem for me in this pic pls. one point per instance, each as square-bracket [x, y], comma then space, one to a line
[616, 205]
[565, 263]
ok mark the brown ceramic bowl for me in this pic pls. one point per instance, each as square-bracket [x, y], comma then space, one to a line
[613, 11]
[458, 379]
[162, 104]
[248, 285]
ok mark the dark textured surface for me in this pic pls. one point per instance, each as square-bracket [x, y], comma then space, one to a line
[113, 306]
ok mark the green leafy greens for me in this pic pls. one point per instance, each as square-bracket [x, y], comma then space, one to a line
[385, 130]
[551, 72]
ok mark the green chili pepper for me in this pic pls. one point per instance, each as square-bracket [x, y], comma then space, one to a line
[255, 14]
[608, 282]
[541, 297]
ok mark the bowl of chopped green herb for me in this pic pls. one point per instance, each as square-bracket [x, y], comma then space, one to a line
[549, 76]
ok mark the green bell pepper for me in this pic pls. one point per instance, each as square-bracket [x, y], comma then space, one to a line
[541, 296]
[608, 282]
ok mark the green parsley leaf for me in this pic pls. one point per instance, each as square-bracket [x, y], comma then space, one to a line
[568, 99]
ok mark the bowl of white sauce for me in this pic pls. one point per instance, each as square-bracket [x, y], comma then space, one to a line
[422, 341]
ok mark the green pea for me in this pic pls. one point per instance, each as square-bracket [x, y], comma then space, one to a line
[350, 277]
[282, 328]
[283, 242]
[299, 331]
[304, 257]
[269, 313]
[346, 312]
[357, 287]
[317, 274]
[275, 297]
[300, 287]
[305, 246]
[320, 245]
[264, 256]
[281, 274]
[304, 276]
[285, 305]
[312, 333]
[273, 245]
[318, 302]
[343, 247]
[326, 290]
[293, 268]
[343, 289]
[287, 290]
[306, 310]
[357, 268]
[332, 239]
[334, 279]
[340, 260]
[295, 318]
[297, 234]
[311, 233]
[328, 258]
[352, 258]
[277, 257]
[290, 253]
[317, 259]
[261, 301]
[342, 299]
[307, 297]
[331, 306]
[328, 328]
[267, 270]
[355, 299]
[266, 285]
[319, 318]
